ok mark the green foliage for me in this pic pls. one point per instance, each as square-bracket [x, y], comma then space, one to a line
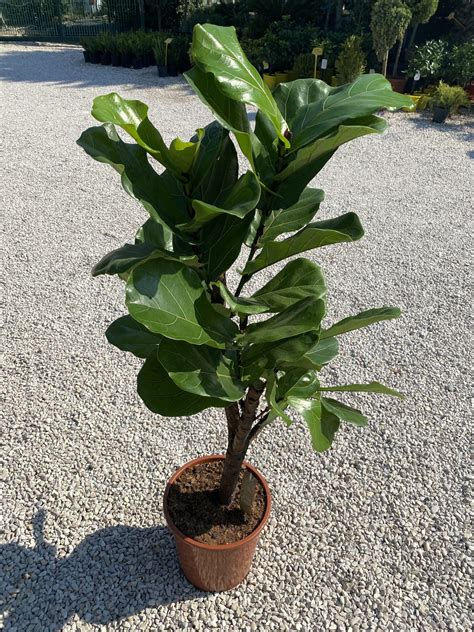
[351, 61]
[206, 344]
[449, 97]
[304, 66]
[284, 41]
[429, 59]
[390, 20]
[422, 10]
[460, 64]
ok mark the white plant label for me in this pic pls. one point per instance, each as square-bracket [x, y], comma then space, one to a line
[324, 64]
[417, 76]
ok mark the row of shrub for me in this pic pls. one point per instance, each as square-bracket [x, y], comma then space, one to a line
[439, 60]
[139, 49]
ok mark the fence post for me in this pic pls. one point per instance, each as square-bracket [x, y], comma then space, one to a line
[58, 12]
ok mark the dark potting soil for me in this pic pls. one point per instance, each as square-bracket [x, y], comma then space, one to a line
[195, 509]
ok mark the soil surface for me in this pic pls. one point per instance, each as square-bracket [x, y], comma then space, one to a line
[194, 506]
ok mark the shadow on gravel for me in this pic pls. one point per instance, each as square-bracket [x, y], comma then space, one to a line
[65, 66]
[462, 125]
[113, 573]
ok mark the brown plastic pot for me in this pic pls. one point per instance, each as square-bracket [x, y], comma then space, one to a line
[220, 566]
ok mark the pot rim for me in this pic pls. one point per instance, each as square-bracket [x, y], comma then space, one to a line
[217, 547]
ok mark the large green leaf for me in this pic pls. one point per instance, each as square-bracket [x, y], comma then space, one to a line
[303, 316]
[322, 353]
[314, 109]
[169, 299]
[261, 357]
[296, 216]
[309, 160]
[216, 50]
[161, 195]
[127, 334]
[363, 319]
[347, 227]
[132, 116]
[215, 168]
[372, 387]
[241, 304]
[129, 255]
[241, 199]
[299, 279]
[221, 241]
[161, 395]
[296, 382]
[344, 412]
[201, 370]
[322, 424]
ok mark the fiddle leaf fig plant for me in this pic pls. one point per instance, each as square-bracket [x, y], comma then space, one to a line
[259, 355]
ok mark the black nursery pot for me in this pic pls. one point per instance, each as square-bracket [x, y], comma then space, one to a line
[94, 57]
[162, 70]
[137, 63]
[127, 60]
[87, 56]
[440, 114]
[105, 59]
[116, 59]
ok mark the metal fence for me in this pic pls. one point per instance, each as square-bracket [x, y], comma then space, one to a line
[66, 19]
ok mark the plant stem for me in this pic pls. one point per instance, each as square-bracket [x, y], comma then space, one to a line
[238, 447]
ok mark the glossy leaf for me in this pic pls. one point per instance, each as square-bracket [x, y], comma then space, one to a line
[127, 334]
[132, 117]
[309, 160]
[169, 299]
[161, 195]
[261, 357]
[216, 50]
[313, 109]
[299, 279]
[241, 199]
[124, 258]
[372, 387]
[215, 168]
[201, 370]
[363, 319]
[297, 382]
[344, 228]
[296, 216]
[344, 412]
[322, 424]
[221, 242]
[322, 353]
[303, 316]
[161, 395]
[241, 305]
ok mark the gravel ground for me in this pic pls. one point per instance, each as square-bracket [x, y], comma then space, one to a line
[370, 536]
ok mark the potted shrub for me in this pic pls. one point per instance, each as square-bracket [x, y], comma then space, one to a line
[125, 48]
[447, 100]
[351, 61]
[260, 356]
[159, 50]
[429, 60]
[95, 50]
[304, 66]
[86, 44]
[115, 55]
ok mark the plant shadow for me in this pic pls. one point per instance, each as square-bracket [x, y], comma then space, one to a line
[113, 573]
[462, 125]
[64, 66]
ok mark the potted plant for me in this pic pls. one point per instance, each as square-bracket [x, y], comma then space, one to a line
[159, 50]
[351, 61]
[428, 61]
[95, 50]
[389, 22]
[304, 66]
[447, 100]
[258, 356]
[86, 44]
[125, 49]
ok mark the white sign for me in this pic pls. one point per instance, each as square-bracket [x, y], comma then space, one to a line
[417, 76]
[371, 71]
[324, 64]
